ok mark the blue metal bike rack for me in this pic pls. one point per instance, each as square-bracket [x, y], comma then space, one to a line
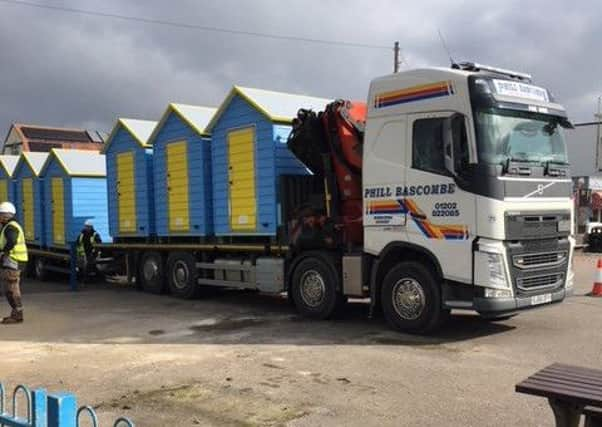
[48, 410]
[36, 408]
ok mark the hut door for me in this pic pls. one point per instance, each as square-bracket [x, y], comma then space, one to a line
[58, 211]
[4, 190]
[177, 186]
[241, 168]
[28, 207]
[126, 195]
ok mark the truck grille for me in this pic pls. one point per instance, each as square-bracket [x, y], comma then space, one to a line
[535, 226]
[531, 283]
[539, 260]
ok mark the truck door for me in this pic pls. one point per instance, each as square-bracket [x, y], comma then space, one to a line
[441, 217]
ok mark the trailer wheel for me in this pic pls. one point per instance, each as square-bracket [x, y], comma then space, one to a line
[182, 275]
[411, 299]
[40, 271]
[150, 273]
[314, 288]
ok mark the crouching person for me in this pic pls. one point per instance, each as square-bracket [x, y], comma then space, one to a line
[86, 252]
[13, 258]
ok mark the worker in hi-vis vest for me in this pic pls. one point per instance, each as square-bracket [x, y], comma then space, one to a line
[13, 259]
[86, 253]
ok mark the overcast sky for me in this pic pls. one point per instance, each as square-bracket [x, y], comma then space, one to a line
[66, 69]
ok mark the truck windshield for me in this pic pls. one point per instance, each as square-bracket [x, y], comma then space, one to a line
[504, 135]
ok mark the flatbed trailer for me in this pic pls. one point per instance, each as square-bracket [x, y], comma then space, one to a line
[186, 269]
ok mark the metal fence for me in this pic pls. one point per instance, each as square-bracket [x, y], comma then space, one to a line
[47, 410]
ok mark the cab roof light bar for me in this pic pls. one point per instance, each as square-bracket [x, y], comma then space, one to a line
[473, 66]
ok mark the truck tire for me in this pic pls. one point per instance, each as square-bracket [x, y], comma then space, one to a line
[182, 275]
[40, 272]
[314, 287]
[411, 299]
[151, 273]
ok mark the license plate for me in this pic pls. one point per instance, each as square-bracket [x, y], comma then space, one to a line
[541, 299]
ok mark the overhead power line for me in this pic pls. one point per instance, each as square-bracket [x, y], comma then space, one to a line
[192, 26]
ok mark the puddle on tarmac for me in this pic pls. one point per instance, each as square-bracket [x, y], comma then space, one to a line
[229, 324]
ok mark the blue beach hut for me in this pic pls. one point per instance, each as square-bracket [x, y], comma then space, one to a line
[248, 146]
[182, 171]
[75, 190]
[129, 163]
[29, 196]
[7, 168]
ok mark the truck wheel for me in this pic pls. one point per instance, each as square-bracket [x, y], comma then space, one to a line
[39, 269]
[411, 299]
[314, 288]
[150, 273]
[182, 275]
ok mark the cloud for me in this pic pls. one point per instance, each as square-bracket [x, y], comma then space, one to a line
[68, 69]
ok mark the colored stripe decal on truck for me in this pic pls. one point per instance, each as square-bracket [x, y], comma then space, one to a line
[414, 93]
[409, 206]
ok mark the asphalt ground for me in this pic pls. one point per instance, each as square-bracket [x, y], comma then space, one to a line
[240, 359]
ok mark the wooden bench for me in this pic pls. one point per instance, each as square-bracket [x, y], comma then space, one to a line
[571, 392]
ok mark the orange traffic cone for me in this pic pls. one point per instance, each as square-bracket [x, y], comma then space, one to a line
[597, 289]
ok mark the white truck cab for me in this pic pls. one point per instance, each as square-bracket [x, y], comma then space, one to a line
[467, 168]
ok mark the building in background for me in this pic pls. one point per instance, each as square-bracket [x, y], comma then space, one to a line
[588, 200]
[587, 179]
[24, 137]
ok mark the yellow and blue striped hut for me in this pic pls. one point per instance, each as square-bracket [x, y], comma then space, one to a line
[248, 145]
[29, 196]
[182, 171]
[8, 163]
[129, 163]
[75, 190]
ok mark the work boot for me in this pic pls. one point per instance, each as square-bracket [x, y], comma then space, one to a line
[14, 318]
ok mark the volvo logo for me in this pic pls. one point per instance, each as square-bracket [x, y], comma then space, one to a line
[540, 189]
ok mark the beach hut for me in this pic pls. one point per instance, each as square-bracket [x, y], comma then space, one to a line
[75, 190]
[182, 171]
[248, 145]
[29, 197]
[129, 163]
[7, 167]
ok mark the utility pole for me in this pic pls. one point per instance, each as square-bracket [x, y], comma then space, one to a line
[396, 61]
[598, 141]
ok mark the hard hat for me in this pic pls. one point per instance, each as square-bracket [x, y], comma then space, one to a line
[88, 223]
[7, 208]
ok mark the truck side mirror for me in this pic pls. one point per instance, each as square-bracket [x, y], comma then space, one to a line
[448, 145]
[455, 148]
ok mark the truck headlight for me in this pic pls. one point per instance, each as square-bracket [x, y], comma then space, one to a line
[491, 273]
[497, 275]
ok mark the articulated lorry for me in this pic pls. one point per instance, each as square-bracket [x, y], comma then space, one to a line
[448, 189]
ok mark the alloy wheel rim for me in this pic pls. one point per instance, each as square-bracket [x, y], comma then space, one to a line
[180, 274]
[409, 300]
[151, 270]
[313, 288]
